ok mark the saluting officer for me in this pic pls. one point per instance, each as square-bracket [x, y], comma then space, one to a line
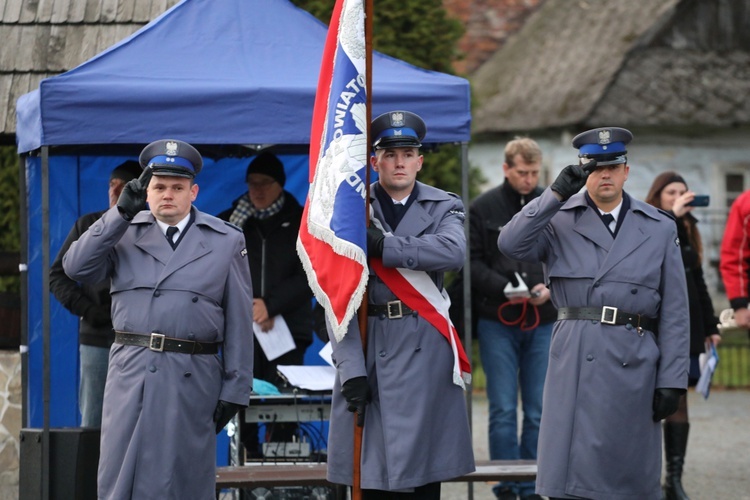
[181, 365]
[405, 389]
[619, 354]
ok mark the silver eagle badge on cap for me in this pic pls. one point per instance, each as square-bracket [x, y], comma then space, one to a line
[604, 136]
[171, 148]
[397, 119]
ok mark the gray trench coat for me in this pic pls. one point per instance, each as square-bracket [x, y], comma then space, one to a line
[416, 427]
[597, 437]
[158, 435]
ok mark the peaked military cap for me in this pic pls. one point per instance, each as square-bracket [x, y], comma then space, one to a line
[170, 157]
[606, 145]
[397, 129]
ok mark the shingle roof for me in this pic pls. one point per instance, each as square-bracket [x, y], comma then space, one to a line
[42, 38]
[642, 62]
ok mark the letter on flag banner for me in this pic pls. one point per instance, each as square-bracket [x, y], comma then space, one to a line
[333, 238]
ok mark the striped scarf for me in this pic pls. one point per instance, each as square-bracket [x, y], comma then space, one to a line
[245, 209]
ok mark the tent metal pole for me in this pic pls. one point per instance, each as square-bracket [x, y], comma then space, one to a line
[467, 285]
[45, 323]
[24, 276]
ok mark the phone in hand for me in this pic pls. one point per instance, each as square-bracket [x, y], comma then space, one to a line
[700, 200]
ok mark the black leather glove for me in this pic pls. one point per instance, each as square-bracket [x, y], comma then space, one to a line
[133, 197]
[572, 179]
[98, 316]
[357, 393]
[666, 401]
[223, 414]
[375, 239]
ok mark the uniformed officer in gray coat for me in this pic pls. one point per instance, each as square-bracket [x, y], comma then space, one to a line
[182, 362]
[416, 428]
[619, 354]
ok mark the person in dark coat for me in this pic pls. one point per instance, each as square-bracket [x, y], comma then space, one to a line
[514, 333]
[407, 389]
[92, 304]
[619, 355]
[270, 219]
[670, 192]
[182, 361]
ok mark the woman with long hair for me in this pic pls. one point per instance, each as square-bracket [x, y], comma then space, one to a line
[670, 192]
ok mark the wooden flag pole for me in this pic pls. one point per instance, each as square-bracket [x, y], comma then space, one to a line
[362, 313]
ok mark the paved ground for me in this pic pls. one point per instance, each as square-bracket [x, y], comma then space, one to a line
[718, 459]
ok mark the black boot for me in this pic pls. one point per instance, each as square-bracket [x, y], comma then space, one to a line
[675, 444]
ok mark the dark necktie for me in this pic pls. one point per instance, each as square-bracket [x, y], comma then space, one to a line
[171, 231]
[398, 209]
[608, 219]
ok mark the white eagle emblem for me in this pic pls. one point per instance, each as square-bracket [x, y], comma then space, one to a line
[604, 137]
[397, 119]
[171, 148]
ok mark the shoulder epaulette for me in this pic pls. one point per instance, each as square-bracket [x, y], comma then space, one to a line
[232, 226]
[668, 214]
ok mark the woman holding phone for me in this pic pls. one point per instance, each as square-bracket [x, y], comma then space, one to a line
[670, 192]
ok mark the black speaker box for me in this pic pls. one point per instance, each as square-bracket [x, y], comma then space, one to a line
[73, 462]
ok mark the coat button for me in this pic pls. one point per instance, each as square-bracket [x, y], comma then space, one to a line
[157, 293]
[532, 211]
[629, 326]
[590, 357]
[410, 261]
[195, 299]
[417, 349]
[381, 315]
[594, 322]
[381, 354]
[633, 291]
[596, 284]
[624, 365]
[187, 374]
[152, 368]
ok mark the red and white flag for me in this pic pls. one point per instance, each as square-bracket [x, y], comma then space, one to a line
[332, 241]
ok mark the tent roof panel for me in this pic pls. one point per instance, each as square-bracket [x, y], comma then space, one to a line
[249, 69]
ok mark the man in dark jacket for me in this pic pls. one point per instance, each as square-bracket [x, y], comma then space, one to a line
[92, 304]
[514, 326]
[270, 218]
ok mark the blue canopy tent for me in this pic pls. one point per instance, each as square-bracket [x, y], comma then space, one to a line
[229, 77]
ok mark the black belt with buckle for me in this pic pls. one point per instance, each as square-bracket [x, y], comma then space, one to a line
[609, 316]
[394, 309]
[159, 343]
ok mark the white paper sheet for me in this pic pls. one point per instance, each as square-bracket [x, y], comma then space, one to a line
[276, 341]
[310, 377]
[708, 363]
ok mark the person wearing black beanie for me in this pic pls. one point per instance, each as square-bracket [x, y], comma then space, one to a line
[270, 218]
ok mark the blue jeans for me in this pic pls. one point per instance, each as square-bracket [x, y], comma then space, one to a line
[94, 362]
[512, 357]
